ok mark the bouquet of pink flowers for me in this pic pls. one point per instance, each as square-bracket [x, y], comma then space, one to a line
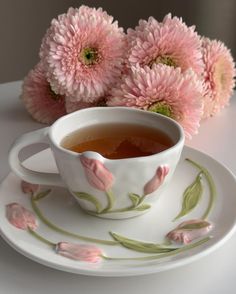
[87, 60]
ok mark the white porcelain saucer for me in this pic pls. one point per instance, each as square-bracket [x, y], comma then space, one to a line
[60, 208]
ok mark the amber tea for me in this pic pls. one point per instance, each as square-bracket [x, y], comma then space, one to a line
[116, 141]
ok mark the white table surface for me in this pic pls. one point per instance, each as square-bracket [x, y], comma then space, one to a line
[215, 273]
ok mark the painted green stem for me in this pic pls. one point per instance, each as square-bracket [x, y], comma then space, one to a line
[62, 231]
[89, 198]
[41, 195]
[141, 199]
[211, 184]
[137, 201]
[110, 201]
[125, 209]
[118, 210]
[40, 238]
[162, 255]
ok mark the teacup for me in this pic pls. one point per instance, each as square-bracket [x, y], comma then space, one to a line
[107, 188]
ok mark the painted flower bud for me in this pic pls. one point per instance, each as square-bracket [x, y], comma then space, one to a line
[157, 179]
[20, 217]
[81, 252]
[97, 174]
[190, 230]
[29, 188]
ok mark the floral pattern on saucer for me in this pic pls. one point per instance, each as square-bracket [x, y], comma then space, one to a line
[100, 177]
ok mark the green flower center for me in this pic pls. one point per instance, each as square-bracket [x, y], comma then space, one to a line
[89, 56]
[164, 59]
[53, 95]
[162, 108]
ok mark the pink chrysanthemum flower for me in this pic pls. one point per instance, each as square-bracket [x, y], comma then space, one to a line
[83, 53]
[171, 42]
[39, 99]
[163, 89]
[219, 76]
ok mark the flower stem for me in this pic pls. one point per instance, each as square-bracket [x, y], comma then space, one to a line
[161, 255]
[211, 184]
[40, 238]
[116, 210]
[141, 199]
[62, 231]
[125, 209]
[41, 195]
[110, 200]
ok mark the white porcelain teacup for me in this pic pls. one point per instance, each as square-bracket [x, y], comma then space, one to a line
[107, 188]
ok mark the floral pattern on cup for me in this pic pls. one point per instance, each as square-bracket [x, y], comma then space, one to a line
[157, 180]
[102, 179]
[97, 174]
[20, 217]
[189, 230]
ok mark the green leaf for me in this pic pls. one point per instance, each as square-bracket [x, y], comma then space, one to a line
[90, 198]
[211, 184]
[191, 197]
[135, 198]
[41, 195]
[140, 246]
[142, 207]
[163, 255]
[200, 225]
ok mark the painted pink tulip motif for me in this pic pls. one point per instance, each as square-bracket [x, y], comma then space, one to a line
[81, 252]
[20, 217]
[29, 188]
[157, 179]
[189, 230]
[97, 174]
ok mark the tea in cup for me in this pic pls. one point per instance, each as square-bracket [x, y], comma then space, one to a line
[115, 161]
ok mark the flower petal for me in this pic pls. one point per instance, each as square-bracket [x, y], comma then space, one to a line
[157, 180]
[97, 174]
[169, 42]
[29, 188]
[219, 76]
[43, 104]
[190, 230]
[20, 217]
[81, 252]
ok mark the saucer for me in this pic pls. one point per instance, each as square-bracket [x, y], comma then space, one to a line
[61, 209]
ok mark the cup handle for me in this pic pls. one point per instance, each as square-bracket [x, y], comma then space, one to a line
[28, 175]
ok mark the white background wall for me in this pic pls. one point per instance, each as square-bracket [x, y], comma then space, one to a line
[24, 22]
